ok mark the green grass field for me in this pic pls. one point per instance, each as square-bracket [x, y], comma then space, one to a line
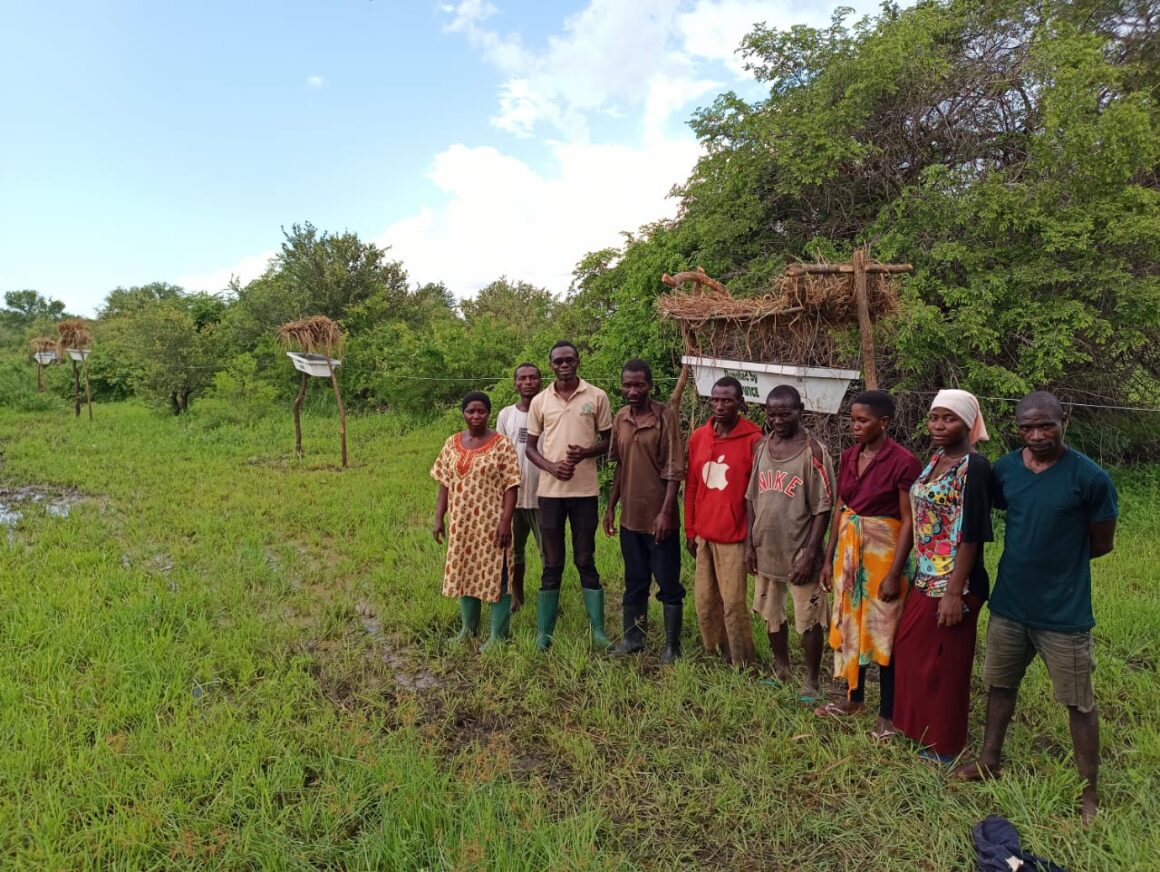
[223, 657]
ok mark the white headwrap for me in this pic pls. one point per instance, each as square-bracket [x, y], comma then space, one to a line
[963, 404]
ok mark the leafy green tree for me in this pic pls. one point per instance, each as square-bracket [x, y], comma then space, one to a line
[27, 313]
[1007, 148]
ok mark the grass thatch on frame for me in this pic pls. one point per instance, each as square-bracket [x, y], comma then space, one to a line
[315, 335]
[41, 344]
[75, 335]
[808, 317]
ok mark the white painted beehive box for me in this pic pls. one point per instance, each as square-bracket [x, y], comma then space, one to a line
[313, 364]
[821, 388]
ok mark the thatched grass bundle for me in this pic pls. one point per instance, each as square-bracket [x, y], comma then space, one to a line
[828, 297]
[315, 335]
[74, 333]
[807, 319]
[41, 344]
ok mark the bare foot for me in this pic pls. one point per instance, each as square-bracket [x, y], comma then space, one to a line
[843, 709]
[884, 729]
[1088, 805]
[977, 770]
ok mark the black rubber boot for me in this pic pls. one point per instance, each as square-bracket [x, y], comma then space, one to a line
[673, 615]
[635, 627]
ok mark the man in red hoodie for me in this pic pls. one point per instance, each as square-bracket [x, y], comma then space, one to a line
[720, 461]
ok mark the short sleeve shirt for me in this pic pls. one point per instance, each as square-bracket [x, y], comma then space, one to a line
[875, 492]
[513, 424]
[1044, 578]
[578, 420]
[785, 496]
[650, 453]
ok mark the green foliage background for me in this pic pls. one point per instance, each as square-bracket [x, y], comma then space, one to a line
[1008, 149]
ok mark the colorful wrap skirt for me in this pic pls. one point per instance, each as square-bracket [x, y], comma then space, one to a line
[861, 625]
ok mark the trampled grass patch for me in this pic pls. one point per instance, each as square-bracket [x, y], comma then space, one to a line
[227, 657]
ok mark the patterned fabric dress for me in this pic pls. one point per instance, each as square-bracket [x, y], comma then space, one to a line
[862, 626]
[476, 480]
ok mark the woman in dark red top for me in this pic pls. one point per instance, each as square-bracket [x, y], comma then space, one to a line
[870, 540]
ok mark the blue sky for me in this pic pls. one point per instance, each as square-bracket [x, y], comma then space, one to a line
[157, 141]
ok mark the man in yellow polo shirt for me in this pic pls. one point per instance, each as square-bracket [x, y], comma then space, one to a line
[568, 428]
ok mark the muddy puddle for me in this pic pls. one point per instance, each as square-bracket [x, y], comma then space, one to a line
[17, 503]
[407, 675]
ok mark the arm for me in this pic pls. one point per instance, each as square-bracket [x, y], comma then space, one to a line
[950, 606]
[576, 453]
[750, 550]
[440, 514]
[563, 471]
[892, 584]
[503, 533]
[806, 564]
[1103, 534]
[826, 577]
[664, 526]
[613, 499]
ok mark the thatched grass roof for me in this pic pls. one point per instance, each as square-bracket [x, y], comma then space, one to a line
[828, 298]
[40, 344]
[317, 334]
[74, 333]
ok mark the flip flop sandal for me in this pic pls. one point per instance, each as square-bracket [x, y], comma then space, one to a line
[883, 735]
[771, 682]
[810, 698]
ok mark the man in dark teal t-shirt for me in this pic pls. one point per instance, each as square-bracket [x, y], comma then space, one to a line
[1061, 514]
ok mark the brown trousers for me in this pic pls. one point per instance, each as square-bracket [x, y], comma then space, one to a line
[721, 595]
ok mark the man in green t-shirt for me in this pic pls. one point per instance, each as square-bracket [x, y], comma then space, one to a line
[1061, 514]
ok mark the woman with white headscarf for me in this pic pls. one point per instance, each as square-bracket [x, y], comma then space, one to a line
[935, 644]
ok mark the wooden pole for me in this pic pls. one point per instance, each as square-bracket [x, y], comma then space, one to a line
[76, 388]
[88, 390]
[865, 326]
[39, 377]
[341, 411]
[298, 414]
[679, 390]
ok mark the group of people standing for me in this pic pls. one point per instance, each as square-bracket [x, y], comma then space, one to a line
[903, 558]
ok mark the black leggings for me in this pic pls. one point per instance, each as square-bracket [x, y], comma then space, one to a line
[885, 685]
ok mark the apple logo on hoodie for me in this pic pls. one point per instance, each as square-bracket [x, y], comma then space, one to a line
[713, 474]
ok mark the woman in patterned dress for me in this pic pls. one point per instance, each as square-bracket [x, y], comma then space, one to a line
[479, 477]
[870, 541]
[935, 644]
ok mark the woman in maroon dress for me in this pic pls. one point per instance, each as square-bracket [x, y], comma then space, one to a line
[935, 644]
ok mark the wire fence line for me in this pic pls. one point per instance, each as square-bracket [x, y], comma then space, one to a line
[613, 379]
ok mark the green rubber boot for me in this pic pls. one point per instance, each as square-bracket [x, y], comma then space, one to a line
[547, 605]
[469, 609]
[501, 622]
[594, 605]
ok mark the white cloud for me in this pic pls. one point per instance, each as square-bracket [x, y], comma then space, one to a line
[647, 60]
[504, 218]
[315, 83]
[247, 269]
